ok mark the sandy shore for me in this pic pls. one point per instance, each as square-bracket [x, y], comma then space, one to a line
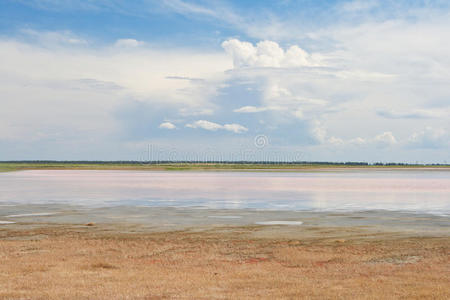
[122, 261]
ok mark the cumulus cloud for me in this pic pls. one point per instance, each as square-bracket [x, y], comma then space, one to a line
[384, 139]
[351, 83]
[336, 141]
[429, 137]
[167, 125]
[357, 141]
[329, 96]
[207, 125]
[52, 100]
[236, 128]
[128, 43]
[211, 126]
[266, 54]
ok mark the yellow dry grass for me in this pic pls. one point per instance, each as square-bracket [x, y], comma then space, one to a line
[68, 263]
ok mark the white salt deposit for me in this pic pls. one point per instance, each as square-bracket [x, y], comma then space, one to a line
[280, 223]
[31, 215]
[6, 222]
[225, 217]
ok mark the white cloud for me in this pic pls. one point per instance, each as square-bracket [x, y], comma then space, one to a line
[414, 114]
[207, 125]
[332, 92]
[46, 88]
[211, 126]
[256, 109]
[266, 54]
[319, 132]
[250, 109]
[54, 38]
[429, 138]
[167, 125]
[336, 141]
[133, 71]
[265, 26]
[195, 111]
[297, 57]
[189, 8]
[357, 141]
[362, 67]
[384, 139]
[128, 43]
[236, 128]
[298, 113]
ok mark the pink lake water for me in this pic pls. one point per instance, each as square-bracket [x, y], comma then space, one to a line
[417, 191]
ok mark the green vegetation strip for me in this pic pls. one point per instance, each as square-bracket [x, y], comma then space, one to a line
[17, 166]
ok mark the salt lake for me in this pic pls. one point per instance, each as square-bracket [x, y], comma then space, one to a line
[352, 190]
[356, 197]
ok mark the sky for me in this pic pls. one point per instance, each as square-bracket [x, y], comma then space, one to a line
[225, 80]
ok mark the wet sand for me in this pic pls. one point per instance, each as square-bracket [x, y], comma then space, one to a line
[53, 252]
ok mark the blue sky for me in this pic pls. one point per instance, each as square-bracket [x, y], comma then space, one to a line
[313, 80]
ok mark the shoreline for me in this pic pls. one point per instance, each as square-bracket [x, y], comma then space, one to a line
[160, 218]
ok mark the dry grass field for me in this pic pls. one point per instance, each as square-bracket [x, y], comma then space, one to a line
[75, 262]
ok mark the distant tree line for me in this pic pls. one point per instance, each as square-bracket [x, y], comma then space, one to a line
[118, 162]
